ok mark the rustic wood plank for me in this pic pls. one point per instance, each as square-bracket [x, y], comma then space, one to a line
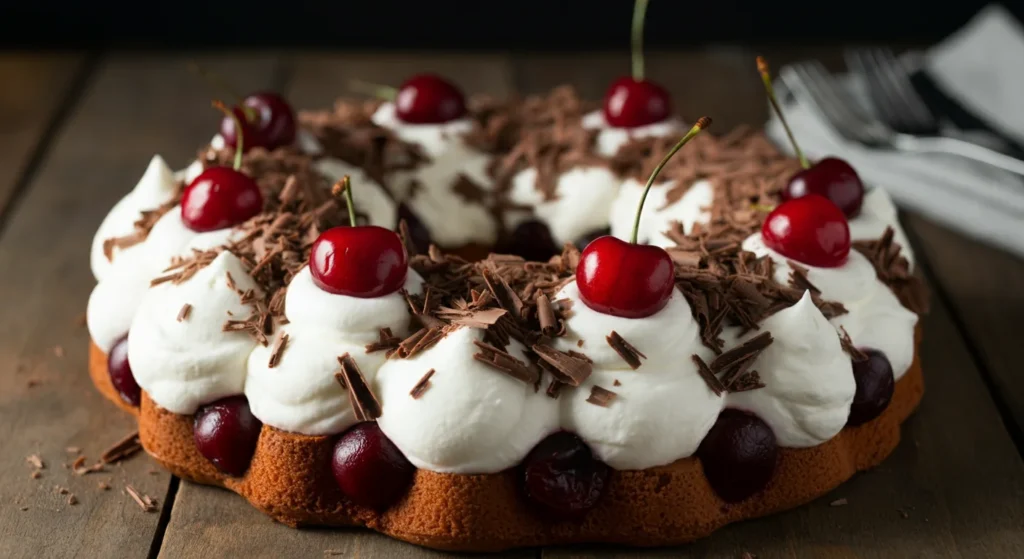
[956, 477]
[35, 85]
[985, 288]
[207, 522]
[135, 106]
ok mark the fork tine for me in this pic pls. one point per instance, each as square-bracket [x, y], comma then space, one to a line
[820, 88]
[892, 68]
[861, 65]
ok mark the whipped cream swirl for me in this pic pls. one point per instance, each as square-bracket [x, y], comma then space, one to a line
[611, 138]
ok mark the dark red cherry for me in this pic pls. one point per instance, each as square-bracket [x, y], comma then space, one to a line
[365, 261]
[738, 455]
[582, 242]
[630, 103]
[429, 99]
[226, 433]
[121, 373]
[418, 232]
[220, 197]
[369, 468]
[810, 229]
[832, 178]
[276, 124]
[623, 279]
[562, 478]
[533, 241]
[251, 134]
[875, 385]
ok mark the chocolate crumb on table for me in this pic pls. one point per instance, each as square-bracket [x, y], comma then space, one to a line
[838, 503]
[35, 461]
[122, 449]
[146, 503]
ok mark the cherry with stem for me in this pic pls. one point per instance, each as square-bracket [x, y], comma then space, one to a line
[630, 280]
[633, 101]
[830, 177]
[636, 39]
[269, 120]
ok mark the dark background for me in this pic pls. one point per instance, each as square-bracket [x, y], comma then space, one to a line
[483, 24]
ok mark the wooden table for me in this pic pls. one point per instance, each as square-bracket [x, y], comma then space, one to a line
[76, 132]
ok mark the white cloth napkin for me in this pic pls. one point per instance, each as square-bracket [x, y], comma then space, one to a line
[982, 66]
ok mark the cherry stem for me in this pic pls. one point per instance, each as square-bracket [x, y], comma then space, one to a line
[702, 123]
[238, 131]
[637, 39]
[762, 68]
[385, 92]
[344, 186]
[222, 84]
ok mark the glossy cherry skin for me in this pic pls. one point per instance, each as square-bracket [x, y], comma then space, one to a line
[365, 261]
[622, 279]
[121, 373]
[875, 385]
[429, 99]
[561, 477]
[226, 433]
[270, 123]
[810, 229]
[252, 136]
[832, 178]
[369, 468]
[220, 197]
[630, 103]
[738, 454]
[533, 241]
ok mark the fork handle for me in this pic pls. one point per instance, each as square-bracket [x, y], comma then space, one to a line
[955, 146]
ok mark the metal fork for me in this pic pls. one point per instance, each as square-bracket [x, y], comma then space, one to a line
[811, 82]
[891, 92]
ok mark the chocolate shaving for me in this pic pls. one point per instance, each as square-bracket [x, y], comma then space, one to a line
[709, 377]
[122, 449]
[275, 353]
[504, 294]
[601, 396]
[504, 362]
[748, 381]
[386, 341]
[626, 351]
[798, 278]
[567, 368]
[855, 353]
[893, 269]
[616, 383]
[421, 385]
[35, 461]
[554, 388]
[186, 310]
[549, 323]
[145, 503]
[364, 403]
[482, 318]
[732, 365]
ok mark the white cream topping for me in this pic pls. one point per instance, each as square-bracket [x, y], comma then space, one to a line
[808, 377]
[184, 364]
[369, 196]
[451, 219]
[583, 196]
[663, 409]
[876, 213]
[156, 187]
[300, 394]
[611, 138]
[875, 318]
[658, 216]
[472, 418]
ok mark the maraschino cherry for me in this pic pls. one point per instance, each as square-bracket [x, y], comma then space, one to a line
[830, 177]
[359, 261]
[628, 279]
[266, 119]
[226, 433]
[121, 376]
[562, 478]
[811, 230]
[221, 196]
[429, 99]
[875, 386]
[633, 101]
[369, 468]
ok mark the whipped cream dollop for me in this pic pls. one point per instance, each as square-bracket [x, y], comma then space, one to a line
[370, 198]
[185, 363]
[663, 409]
[876, 213]
[157, 186]
[456, 212]
[472, 418]
[658, 214]
[611, 138]
[874, 318]
[808, 378]
[583, 196]
[305, 142]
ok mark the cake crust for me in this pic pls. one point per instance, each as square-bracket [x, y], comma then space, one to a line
[290, 480]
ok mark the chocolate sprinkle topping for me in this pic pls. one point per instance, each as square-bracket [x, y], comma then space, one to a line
[386, 342]
[626, 351]
[503, 361]
[894, 270]
[421, 385]
[275, 353]
[709, 377]
[731, 366]
[854, 352]
[567, 368]
[601, 396]
[364, 403]
[798, 278]
[186, 310]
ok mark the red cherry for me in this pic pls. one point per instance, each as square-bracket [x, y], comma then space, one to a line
[623, 279]
[738, 455]
[811, 230]
[832, 178]
[121, 373]
[270, 122]
[429, 99]
[366, 261]
[630, 103]
[561, 477]
[875, 385]
[220, 197]
[226, 433]
[369, 468]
